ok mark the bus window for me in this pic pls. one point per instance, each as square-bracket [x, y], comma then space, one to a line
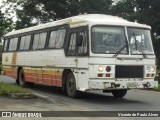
[83, 49]
[13, 44]
[42, 40]
[27, 42]
[22, 43]
[52, 39]
[5, 45]
[60, 38]
[35, 41]
[72, 44]
[10, 44]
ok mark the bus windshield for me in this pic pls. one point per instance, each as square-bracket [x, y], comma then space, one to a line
[112, 40]
[108, 40]
[140, 41]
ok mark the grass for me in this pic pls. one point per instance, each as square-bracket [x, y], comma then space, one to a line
[12, 88]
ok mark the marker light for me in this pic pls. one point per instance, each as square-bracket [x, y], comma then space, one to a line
[100, 75]
[108, 75]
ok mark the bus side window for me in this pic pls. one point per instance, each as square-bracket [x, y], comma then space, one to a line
[60, 38]
[10, 44]
[72, 44]
[13, 44]
[56, 39]
[27, 42]
[35, 41]
[42, 40]
[52, 39]
[5, 45]
[22, 43]
[83, 49]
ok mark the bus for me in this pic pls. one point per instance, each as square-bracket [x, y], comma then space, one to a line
[82, 53]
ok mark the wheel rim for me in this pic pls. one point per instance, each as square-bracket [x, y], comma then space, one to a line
[70, 85]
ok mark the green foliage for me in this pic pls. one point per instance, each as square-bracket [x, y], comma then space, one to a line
[5, 25]
[96, 6]
[157, 79]
[42, 11]
[12, 88]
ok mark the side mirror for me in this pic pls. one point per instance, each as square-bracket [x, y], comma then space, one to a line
[79, 40]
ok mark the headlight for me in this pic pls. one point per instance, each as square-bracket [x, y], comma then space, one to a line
[151, 69]
[100, 68]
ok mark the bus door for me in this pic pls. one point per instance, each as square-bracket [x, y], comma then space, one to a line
[77, 51]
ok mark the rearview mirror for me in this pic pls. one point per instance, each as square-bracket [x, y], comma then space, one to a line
[79, 40]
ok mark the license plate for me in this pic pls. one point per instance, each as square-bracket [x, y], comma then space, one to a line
[132, 85]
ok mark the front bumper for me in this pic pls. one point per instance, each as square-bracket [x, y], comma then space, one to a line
[109, 85]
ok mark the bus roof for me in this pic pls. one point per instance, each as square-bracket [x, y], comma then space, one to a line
[81, 20]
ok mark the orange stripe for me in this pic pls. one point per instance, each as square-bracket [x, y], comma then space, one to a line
[50, 79]
[53, 80]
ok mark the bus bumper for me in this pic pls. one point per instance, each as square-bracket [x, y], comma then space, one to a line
[96, 84]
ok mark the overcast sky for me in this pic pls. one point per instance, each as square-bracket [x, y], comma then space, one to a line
[0, 2]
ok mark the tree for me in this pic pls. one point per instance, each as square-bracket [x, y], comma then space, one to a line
[42, 11]
[145, 12]
[96, 6]
[125, 9]
[5, 25]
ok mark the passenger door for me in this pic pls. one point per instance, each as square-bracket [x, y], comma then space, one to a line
[78, 55]
[77, 50]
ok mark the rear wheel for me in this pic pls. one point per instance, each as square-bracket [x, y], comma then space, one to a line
[21, 79]
[119, 93]
[71, 86]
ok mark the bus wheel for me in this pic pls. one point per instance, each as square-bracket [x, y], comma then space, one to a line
[119, 93]
[21, 78]
[71, 86]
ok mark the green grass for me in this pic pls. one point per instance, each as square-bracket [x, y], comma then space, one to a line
[12, 88]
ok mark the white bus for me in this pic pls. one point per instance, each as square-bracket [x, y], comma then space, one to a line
[82, 53]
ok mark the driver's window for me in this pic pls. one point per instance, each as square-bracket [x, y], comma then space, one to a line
[72, 44]
[83, 48]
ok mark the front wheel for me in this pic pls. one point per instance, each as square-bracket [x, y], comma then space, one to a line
[119, 93]
[71, 86]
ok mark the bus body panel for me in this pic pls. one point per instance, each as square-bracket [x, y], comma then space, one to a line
[47, 66]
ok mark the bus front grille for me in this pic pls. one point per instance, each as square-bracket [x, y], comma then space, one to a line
[128, 71]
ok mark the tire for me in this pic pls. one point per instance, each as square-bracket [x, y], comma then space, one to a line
[21, 79]
[71, 86]
[119, 93]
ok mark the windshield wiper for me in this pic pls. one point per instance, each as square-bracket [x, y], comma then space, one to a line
[138, 45]
[119, 51]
